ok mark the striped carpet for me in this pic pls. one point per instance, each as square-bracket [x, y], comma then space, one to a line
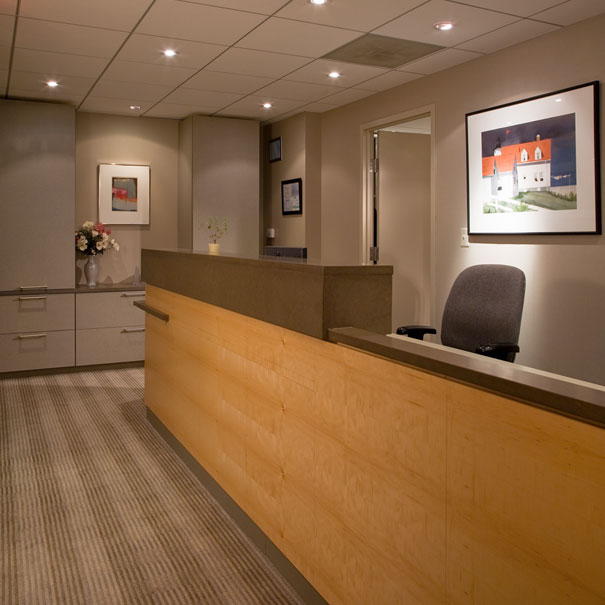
[96, 509]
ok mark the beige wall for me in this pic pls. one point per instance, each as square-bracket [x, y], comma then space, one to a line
[563, 325]
[226, 181]
[104, 139]
[301, 158]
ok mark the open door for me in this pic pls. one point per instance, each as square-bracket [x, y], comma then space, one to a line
[399, 200]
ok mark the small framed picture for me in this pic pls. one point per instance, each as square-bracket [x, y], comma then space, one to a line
[291, 196]
[123, 194]
[275, 150]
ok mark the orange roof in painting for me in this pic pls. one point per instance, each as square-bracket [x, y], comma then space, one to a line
[506, 161]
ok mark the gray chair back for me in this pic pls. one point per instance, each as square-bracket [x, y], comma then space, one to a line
[484, 306]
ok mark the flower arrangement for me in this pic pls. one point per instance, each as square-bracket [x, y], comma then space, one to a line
[93, 238]
[217, 227]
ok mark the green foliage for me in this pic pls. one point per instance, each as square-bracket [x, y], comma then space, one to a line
[217, 227]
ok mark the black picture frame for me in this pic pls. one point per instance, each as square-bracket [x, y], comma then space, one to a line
[275, 150]
[533, 165]
[291, 197]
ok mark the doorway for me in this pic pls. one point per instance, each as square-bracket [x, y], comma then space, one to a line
[399, 210]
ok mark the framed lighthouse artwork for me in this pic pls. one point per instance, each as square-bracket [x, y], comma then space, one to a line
[533, 165]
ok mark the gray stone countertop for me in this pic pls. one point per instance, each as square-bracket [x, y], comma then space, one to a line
[79, 289]
[576, 399]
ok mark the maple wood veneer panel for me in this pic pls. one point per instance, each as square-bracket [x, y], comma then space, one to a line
[381, 483]
[526, 504]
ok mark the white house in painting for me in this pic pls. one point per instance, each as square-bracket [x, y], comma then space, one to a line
[519, 167]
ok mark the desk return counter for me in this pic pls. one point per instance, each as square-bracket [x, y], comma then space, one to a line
[377, 470]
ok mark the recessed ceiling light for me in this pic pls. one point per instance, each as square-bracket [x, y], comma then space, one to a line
[444, 26]
[267, 105]
[334, 74]
[558, 100]
[317, 1]
[169, 52]
[135, 107]
[52, 84]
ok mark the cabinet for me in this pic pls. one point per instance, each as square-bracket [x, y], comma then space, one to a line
[37, 189]
[36, 331]
[109, 328]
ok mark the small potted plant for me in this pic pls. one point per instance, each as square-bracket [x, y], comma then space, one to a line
[217, 227]
[93, 239]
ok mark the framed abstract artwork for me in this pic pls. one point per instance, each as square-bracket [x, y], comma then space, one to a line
[533, 165]
[275, 150]
[123, 194]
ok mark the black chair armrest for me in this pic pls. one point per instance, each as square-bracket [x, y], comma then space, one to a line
[499, 350]
[416, 332]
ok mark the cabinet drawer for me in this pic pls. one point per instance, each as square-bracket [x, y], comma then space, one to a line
[108, 309]
[110, 345]
[36, 350]
[36, 313]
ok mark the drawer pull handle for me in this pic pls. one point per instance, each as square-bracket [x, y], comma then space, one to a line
[151, 310]
[33, 287]
[30, 336]
[33, 297]
[131, 294]
[129, 330]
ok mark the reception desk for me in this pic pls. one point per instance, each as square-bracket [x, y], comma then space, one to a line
[385, 471]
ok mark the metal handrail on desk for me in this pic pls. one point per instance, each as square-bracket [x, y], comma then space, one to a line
[151, 310]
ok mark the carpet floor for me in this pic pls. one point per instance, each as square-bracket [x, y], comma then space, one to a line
[97, 509]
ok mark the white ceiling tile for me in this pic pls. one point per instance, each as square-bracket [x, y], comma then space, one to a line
[62, 96]
[113, 89]
[8, 7]
[52, 64]
[257, 63]
[296, 38]
[468, 21]
[223, 82]
[296, 91]
[7, 26]
[360, 15]
[509, 35]
[150, 49]
[350, 73]
[347, 96]
[204, 98]
[572, 12]
[176, 111]
[130, 71]
[252, 107]
[65, 38]
[317, 107]
[110, 14]
[441, 60]
[197, 22]
[265, 7]
[521, 8]
[389, 80]
[27, 80]
[5, 55]
[114, 106]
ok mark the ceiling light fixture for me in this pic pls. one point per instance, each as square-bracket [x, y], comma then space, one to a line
[267, 105]
[444, 26]
[133, 107]
[169, 52]
[52, 84]
[334, 74]
[558, 100]
[317, 1]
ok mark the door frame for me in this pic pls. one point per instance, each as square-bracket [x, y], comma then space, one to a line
[367, 220]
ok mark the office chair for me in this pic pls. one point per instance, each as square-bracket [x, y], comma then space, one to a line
[482, 313]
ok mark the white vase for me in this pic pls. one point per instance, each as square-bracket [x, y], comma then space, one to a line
[213, 248]
[91, 270]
